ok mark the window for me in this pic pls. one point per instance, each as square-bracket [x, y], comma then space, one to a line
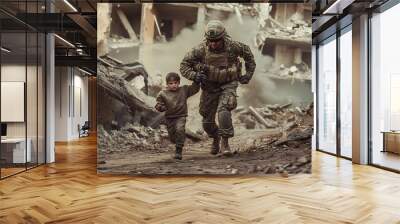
[22, 77]
[385, 89]
[327, 96]
[346, 93]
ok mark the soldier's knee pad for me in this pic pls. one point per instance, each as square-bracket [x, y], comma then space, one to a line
[228, 102]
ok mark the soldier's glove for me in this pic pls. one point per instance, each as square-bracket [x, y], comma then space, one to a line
[199, 77]
[244, 79]
[201, 67]
[160, 107]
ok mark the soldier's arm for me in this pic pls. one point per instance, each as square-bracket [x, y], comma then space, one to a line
[192, 89]
[160, 103]
[248, 57]
[189, 62]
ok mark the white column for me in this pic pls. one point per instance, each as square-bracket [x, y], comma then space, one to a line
[50, 98]
[314, 91]
[360, 90]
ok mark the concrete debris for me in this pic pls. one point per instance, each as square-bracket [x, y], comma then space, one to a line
[194, 135]
[234, 171]
[273, 116]
[296, 135]
[120, 43]
[302, 160]
[284, 173]
[116, 89]
[296, 31]
[126, 139]
[269, 170]
[292, 137]
[293, 31]
[295, 72]
[243, 9]
[289, 126]
[253, 169]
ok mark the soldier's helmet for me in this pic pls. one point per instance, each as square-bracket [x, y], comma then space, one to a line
[215, 30]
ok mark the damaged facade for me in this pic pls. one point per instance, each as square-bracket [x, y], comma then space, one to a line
[285, 34]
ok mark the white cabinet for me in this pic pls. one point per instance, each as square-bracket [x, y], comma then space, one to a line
[17, 147]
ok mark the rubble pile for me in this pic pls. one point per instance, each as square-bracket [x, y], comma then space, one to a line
[134, 137]
[295, 30]
[283, 116]
[295, 72]
[291, 126]
[116, 89]
[131, 138]
[246, 9]
[284, 149]
[117, 42]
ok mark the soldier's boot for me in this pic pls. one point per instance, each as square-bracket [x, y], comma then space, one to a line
[215, 146]
[226, 150]
[178, 153]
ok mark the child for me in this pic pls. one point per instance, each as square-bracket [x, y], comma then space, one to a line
[173, 100]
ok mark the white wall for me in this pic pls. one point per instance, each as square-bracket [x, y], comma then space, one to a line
[69, 85]
[79, 117]
[62, 81]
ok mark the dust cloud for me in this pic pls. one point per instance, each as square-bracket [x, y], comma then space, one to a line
[161, 58]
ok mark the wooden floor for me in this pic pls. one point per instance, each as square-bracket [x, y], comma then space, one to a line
[70, 191]
[387, 159]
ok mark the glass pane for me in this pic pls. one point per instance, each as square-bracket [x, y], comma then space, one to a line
[385, 89]
[31, 98]
[346, 94]
[327, 97]
[13, 87]
[41, 99]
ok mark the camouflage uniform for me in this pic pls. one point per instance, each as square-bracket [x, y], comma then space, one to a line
[219, 91]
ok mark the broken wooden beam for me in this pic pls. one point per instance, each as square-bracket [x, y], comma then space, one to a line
[260, 119]
[285, 106]
[127, 25]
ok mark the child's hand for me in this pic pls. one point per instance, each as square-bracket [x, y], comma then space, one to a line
[160, 107]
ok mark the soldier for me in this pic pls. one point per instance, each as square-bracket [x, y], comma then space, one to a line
[173, 100]
[215, 63]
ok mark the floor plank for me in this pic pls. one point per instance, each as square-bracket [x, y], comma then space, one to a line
[70, 191]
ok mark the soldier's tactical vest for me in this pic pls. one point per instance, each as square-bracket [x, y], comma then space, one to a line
[221, 70]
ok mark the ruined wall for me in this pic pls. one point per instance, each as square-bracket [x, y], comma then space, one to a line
[103, 31]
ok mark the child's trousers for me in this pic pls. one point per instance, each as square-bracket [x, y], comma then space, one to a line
[176, 130]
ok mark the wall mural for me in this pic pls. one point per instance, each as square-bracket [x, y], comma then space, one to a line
[204, 88]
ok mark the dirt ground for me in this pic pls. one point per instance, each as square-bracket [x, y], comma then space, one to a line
[255, 153]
